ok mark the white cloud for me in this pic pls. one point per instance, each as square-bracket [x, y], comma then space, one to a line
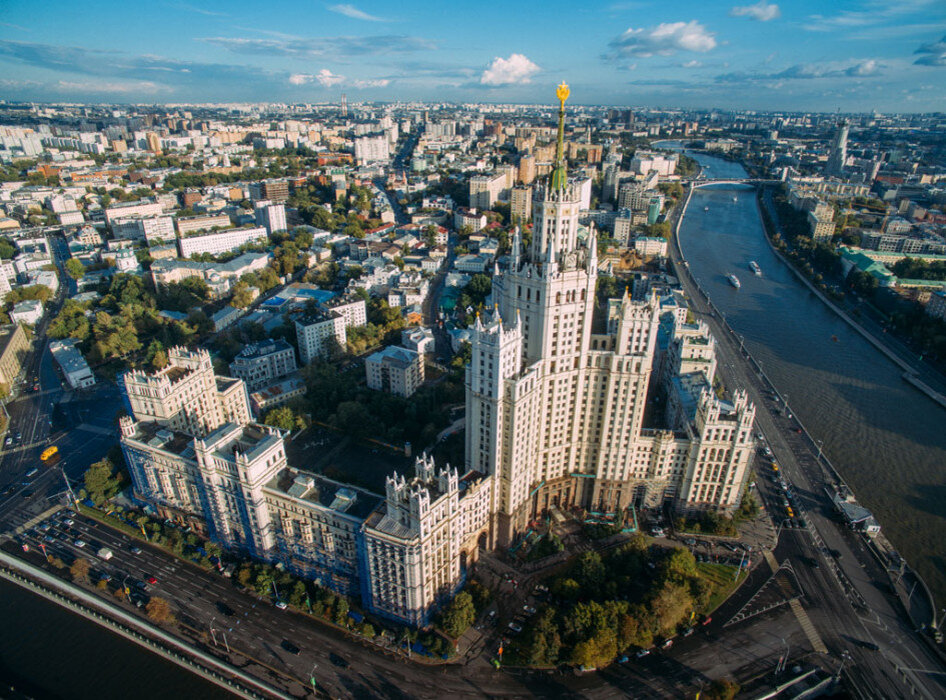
[327, 78]
[376, 83]
[139, 86]
[761, 11]
[355, 13]
[691, 64]
[663, 40]
[504, 71]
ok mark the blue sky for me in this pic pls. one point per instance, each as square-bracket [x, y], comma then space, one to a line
[794, 54]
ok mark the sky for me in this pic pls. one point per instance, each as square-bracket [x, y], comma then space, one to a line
[800, 55]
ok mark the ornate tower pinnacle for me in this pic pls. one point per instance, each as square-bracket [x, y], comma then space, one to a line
[559, 176]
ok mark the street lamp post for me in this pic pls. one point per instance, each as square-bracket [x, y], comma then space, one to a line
[778, 530]
[312, 677]
[212, 635]
[820, 443]
[742, 341]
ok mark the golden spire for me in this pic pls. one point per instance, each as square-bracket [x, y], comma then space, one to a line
[559, 176]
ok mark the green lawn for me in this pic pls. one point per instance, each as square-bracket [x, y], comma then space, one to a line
[721, 577]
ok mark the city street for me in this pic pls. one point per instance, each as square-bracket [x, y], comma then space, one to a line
[844, 597]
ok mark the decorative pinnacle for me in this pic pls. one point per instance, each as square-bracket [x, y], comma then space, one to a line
[562, 93]
[559, 176]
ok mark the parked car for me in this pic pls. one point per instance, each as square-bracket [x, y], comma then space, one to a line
[514, 627]
[135, 550]
[642, 653]
[529, 609]
[338, 660]
[281, 604]
[667, 644]
[152, 580]
[79, 543]
[290, 647]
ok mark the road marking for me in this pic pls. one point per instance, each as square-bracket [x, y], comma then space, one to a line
[807, 626]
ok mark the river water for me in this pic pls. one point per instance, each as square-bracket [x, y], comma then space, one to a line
[48, 652]
[887, 439]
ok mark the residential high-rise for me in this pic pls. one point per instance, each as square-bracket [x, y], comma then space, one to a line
[186, 395]
[555, 397]
[520, 204]
[838, 149]
[271, 216]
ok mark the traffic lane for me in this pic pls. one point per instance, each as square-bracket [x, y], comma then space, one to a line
[256, 625]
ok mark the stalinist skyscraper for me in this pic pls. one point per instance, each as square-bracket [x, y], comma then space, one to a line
[556, 388]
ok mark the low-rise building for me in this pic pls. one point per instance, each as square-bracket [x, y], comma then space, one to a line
[27, 312]
[420, 340]
[74, 367]
[276, 394]
[396, 370]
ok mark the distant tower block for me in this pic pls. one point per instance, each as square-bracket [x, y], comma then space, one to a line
[344, 105]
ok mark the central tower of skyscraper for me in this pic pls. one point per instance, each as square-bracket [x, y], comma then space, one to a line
[556, 390]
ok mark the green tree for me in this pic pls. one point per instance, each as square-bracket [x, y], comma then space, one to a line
[458, 615]
[598, 650]
[7, 249]
[75, 268]
[282, 417]
[722, 689]
[242, 295]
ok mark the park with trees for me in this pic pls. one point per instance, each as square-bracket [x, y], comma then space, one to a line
[603, 604]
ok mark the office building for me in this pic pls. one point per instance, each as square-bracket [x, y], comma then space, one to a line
[186, 396]
[260, 364]
[398, 371]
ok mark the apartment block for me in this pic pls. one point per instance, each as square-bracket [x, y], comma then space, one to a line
[260, 364]
[152, 229]
[398, 371]
[186, 395]
[221, 242]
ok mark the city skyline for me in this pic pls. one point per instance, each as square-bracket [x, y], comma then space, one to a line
[764, 55]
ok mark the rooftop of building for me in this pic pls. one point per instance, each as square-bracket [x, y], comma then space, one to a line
[160, 437]
[68, 356]
[263, 348]
[314, 488]
[250, 440]
[394, 355]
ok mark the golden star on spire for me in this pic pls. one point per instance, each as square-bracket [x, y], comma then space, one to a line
[562, 93]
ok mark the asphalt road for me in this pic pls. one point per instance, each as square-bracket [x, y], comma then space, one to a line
[844, 597]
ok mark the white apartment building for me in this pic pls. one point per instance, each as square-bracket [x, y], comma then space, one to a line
[398, 371]
[260, 364]
[486, 189]
[271, 216]
[189, 224]
[371, 149]
[663, 163]
[555, 411]
[222, 241]
[152, 229]
[186, 396]
[314, 331]
[215, 482]
[821, 228]
[125, 210]
[414, 543]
